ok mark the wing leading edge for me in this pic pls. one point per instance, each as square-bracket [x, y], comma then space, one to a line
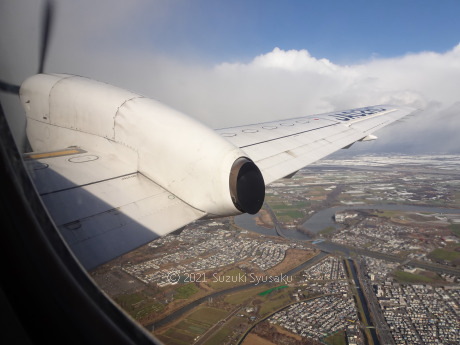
[281, 148]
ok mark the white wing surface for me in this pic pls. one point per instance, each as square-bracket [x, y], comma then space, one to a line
[281, 148]
[103, 206]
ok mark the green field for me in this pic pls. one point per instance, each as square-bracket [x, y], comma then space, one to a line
[272, 302]
[219, 337]
[185, 291]
[266, 292]
[225, 331]
[455, 228]
[407, 277]
[457, 199]
[184, 332]
[444, 254]
[289, 212]
[129, 300]
[389, 213]
[269, 301]
[338, 338]
[208, 315]
[197, 323]
[192, 326]
[243, 296]
[139, 305]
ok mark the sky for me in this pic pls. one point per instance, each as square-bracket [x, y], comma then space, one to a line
[228, 63]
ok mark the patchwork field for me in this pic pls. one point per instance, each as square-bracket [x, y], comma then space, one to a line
[194, 325]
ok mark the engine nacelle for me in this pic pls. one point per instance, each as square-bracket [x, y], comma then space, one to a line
[175, 151]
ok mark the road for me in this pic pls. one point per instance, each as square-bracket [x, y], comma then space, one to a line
[366, 310]
[379, 321]
[276, 223]
[179, 312]
[332, 247]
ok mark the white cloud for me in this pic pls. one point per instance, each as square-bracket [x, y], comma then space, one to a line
[290, 60]
[283, 84]
[100, 43]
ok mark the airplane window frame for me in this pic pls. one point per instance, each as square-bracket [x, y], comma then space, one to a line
[48, 294]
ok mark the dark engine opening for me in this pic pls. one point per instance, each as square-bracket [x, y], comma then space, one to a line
[247, 186]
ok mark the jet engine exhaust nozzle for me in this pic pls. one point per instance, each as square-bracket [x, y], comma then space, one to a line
[247, 186]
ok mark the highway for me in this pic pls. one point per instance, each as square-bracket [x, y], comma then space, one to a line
[363, 299]
[378, 319]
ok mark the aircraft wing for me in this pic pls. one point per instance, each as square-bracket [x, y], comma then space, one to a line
[281, 148]
[102, 206]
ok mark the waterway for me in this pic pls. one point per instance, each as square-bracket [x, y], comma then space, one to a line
[247, 221]
[325, 218]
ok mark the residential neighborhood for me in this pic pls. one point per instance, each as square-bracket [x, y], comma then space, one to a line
[368, 248]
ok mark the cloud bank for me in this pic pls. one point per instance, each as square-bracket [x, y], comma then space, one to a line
[283, 84]
[293, 82]
[274, 85]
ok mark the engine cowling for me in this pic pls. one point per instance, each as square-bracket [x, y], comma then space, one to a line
[177, 152]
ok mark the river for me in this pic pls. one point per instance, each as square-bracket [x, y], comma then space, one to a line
[325, 218]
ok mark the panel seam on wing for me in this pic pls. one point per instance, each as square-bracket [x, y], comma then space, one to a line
[88, 184]
[289, 135]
